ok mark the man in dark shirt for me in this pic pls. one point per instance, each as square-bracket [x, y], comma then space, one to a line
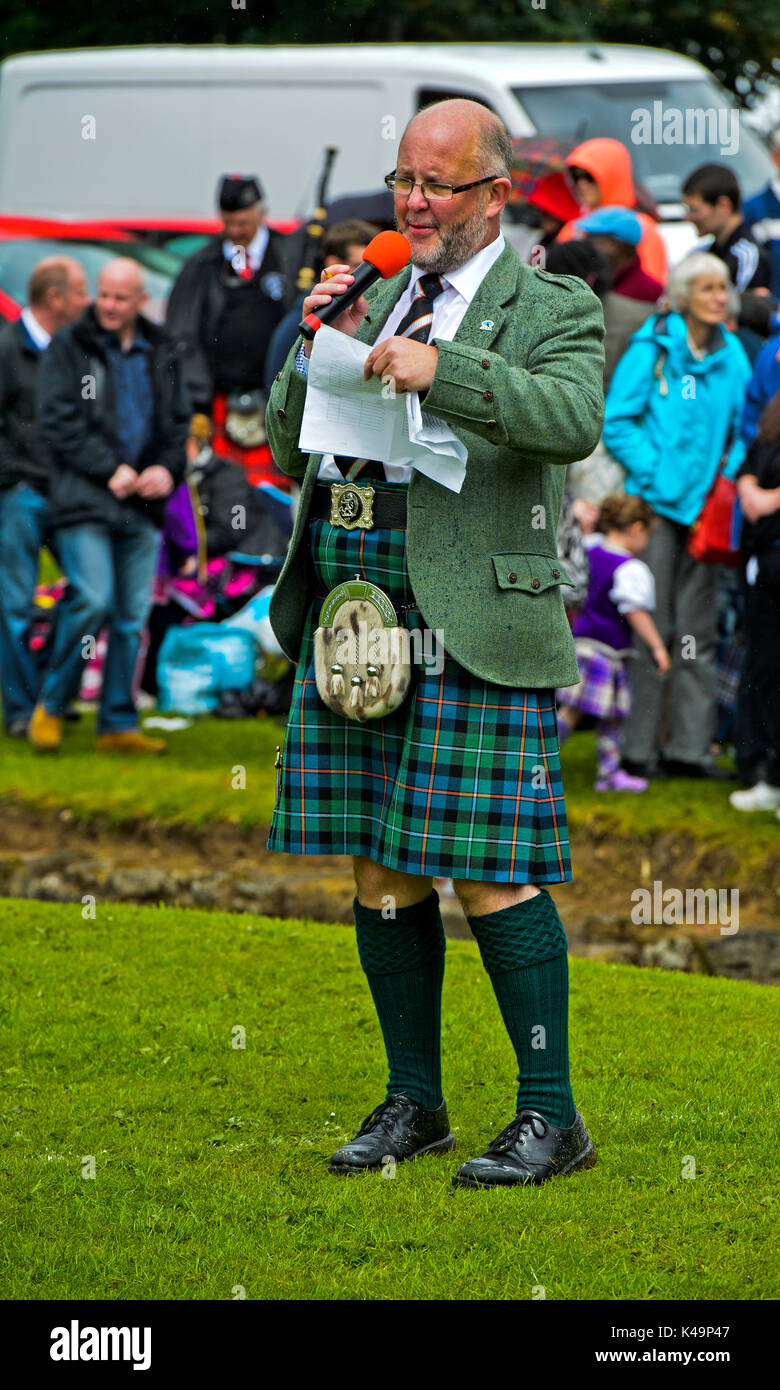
[114, 413]
[57, 293]
[714, 201]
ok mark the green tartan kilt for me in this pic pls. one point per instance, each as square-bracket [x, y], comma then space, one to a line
[463, 780]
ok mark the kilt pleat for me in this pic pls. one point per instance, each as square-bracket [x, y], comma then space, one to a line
[463, 780]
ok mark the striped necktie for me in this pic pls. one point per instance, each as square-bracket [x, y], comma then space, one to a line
[417, 321]
[416, 324]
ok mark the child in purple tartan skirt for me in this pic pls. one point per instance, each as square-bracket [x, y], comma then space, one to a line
[620, 598]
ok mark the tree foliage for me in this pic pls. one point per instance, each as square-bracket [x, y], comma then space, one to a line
[736, 39]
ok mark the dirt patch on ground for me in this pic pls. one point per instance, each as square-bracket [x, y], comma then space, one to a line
[51, 855]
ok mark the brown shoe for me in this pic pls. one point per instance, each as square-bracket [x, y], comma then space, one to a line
[131, 741]
[45, 730]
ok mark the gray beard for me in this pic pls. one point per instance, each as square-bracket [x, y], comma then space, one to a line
[457, 244]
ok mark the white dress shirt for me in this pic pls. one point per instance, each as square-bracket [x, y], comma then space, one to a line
[254, 251]
[39, 335]
[449, 309]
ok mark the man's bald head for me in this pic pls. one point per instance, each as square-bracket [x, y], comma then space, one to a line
[122, 271]
[468, 126]
[121, 294]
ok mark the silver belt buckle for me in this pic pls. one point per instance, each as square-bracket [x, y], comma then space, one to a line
[351, 506]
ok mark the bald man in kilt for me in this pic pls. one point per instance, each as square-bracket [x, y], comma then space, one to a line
[463, 779]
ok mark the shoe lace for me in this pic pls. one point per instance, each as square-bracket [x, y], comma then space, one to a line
[518, 1130]
[384, 1114]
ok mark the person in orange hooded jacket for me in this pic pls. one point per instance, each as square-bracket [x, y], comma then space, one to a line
[601, 173]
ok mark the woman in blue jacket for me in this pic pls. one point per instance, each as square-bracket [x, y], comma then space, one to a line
[673, 410]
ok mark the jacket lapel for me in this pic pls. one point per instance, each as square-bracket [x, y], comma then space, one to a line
[485, 316]
[498, 289]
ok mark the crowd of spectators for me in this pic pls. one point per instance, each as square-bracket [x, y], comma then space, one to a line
[113, 430]
[691, 383]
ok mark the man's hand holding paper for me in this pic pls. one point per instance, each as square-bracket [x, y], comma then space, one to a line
[408, 364]
[352, 413]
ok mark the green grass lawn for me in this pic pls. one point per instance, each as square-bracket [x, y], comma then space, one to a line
[193, 783]
[210, 1160]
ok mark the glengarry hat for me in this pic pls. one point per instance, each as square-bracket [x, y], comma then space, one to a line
[237, 191]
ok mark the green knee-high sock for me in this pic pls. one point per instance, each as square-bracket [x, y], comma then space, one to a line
[523, 949]
[403, 958]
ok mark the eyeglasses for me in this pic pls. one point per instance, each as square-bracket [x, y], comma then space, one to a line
[577, 174]
[433, 192]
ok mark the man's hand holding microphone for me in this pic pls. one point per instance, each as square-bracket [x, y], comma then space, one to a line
[409, 365]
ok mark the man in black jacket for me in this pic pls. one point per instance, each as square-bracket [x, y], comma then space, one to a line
[56, 294]
[223, 309]
[713, 199]
[114, 412]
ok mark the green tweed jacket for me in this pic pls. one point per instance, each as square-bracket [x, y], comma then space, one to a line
[521, 385]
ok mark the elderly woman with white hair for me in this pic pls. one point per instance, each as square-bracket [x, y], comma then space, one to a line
[673, 411]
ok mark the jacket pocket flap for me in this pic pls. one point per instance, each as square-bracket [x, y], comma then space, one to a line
[530, 573]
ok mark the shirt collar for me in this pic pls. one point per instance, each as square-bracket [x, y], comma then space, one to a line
[468, 277]
[254, 251]
[39, 335]
[140, 341]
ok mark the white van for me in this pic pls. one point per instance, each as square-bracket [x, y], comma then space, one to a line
[145, 132]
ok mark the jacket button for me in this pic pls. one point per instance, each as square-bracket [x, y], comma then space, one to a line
[492, 423]
[556, 574]
[487, 395]
[278, 376]
[534, 583]
[485, 361]
[513, 578]
[282, 414]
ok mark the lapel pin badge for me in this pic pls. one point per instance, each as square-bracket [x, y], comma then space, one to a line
[487, 323]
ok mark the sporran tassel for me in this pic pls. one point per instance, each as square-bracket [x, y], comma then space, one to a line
[372, 688]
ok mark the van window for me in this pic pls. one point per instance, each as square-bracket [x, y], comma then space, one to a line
[580, 113]
[428, 94]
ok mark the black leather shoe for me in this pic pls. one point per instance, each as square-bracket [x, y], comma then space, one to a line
[529, 1150]
[399, 1128]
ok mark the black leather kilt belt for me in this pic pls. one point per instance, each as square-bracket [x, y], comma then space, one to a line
[387, 509]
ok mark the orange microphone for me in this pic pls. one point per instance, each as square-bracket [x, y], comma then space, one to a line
[383, 257]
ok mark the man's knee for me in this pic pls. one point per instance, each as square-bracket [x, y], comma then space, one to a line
[90, 607]
[478, 898]
[130, 619]
[378, 886]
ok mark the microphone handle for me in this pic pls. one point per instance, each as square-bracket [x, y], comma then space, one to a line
[366, 274]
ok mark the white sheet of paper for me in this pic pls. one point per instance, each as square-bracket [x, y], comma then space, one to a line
[344, 414]
[437, 452]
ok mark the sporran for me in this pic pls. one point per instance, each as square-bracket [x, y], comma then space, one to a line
[362, 658]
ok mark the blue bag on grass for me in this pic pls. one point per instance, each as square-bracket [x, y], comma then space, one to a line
[197, 662]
